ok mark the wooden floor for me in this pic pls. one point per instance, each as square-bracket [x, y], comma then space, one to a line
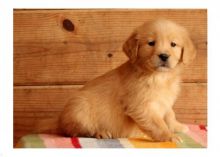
[52, 58]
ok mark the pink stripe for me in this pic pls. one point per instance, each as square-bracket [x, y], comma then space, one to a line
[55, 141]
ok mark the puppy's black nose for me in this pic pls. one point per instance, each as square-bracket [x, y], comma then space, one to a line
[163, 57]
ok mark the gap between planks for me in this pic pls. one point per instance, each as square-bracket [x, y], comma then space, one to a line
[79, 84]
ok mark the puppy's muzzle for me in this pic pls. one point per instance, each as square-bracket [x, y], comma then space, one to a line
[163, 57]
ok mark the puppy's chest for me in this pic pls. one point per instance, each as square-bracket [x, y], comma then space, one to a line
[161, 92]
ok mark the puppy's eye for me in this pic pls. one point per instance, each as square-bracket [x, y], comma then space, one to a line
[173, 44]
[151, 43]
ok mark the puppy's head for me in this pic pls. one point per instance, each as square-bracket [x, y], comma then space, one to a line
[160, 45]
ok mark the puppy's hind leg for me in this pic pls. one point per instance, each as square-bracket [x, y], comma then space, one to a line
[103, 135]
[76, 120]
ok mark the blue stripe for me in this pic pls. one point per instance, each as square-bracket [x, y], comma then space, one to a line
[109, 143]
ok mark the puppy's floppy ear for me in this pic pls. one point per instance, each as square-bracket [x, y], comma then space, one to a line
[130, 47]
[188, 51]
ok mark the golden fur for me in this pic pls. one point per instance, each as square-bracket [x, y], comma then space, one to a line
[137, 97]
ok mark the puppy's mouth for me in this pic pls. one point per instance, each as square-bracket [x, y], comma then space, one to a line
[161, 67]
[164, 66]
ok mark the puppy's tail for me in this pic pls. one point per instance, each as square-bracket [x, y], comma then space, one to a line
[49, 126]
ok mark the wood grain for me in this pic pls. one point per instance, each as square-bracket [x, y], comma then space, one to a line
[46, 53]
[32, 103]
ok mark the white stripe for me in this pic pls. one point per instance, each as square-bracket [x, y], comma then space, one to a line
[125, 142]
[88, 142]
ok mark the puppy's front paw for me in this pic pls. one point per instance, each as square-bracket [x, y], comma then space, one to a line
[176, 139]
[181, 128]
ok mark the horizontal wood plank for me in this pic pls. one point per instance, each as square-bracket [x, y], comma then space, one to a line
[46, 53]
[32, 103]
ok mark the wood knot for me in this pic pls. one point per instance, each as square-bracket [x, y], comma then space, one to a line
[68, 25]
[110, 55]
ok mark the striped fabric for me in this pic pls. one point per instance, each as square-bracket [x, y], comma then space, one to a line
[196, 137]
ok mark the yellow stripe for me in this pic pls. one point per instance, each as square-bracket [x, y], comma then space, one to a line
[142, 143]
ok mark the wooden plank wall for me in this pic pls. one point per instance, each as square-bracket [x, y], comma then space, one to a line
[51, 59]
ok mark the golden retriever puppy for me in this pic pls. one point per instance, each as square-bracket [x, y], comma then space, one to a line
[136, 98]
